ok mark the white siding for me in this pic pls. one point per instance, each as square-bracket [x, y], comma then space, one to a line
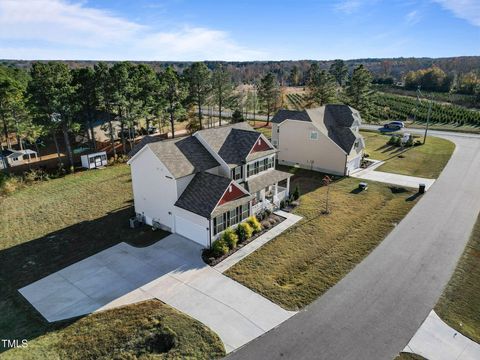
[297, 149]
[154, 188]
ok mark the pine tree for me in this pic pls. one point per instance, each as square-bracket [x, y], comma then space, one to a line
[359, 90]
[269, 94]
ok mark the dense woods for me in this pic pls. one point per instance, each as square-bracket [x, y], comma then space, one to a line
[58, 100]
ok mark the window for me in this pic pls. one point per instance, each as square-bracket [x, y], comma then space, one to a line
[237, 173]
[218, 224]
[230, 218]
[245, 212]
[313, 135]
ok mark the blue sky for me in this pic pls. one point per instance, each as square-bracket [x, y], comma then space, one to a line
[237, 30]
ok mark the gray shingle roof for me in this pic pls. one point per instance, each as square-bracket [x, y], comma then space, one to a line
[183, 156]
[270, 177]
[145, 140]
[232, 143]
[203, 193]
[283, 115]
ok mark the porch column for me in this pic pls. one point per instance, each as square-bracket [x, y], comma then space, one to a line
[288, 186]
[276, 189]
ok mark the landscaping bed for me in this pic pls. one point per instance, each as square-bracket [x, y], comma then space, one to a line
[267, 223]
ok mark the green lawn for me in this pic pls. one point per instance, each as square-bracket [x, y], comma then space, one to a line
[424, 161]
[261, 126]
[148, 330]
[306, 260]
[408, 356]
[459, 305]
[48, 226]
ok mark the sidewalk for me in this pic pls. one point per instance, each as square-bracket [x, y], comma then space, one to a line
[435, 340]
[290, 220]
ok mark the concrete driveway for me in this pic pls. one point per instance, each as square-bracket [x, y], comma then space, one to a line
[372, 174]
[170, 270]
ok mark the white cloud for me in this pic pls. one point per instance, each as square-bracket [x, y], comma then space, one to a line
[464, 9]
[348, 6]
[64, 30]
[413, 17]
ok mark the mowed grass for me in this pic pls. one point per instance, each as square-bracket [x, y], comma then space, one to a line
[261, 126]
[147, 330]
[459, 305]
[424, 161]
[306, 260]
[48, 226]
[409, 356]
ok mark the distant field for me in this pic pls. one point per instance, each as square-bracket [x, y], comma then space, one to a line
[399, 107]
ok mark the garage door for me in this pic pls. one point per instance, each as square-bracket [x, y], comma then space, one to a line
[191, 230]
[353, 164]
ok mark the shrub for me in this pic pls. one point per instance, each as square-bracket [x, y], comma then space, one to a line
[265, 224]
[296, 193]
[392, 140]
[255, 224]
[230, 238]
[9, 184]
[219, 247]
[244, 231]
[417, 143]
[282, 204]
[366, 155]
[272, 221]
[409, 142]
[398, 141]
[268, 212]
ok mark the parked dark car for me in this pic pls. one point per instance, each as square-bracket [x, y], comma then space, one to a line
[394, 125]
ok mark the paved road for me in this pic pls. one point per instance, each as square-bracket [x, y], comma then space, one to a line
[376, 309]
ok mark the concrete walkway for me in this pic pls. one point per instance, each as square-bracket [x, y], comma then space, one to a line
[395, 179]
[172, 271]
[290, 220]
[435, 340]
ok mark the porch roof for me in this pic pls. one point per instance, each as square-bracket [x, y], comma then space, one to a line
[271, 177]
[231, 205]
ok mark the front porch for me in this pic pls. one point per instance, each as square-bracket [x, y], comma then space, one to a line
[270, 197]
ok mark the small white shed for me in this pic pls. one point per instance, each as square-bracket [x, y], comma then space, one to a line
[94, 160]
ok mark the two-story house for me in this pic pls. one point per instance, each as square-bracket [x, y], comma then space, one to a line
[325, 139]
[200, 185]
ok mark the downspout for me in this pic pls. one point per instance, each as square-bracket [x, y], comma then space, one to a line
[210, 231]
[345, 171]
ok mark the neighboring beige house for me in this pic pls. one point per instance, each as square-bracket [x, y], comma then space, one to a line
[325, 139]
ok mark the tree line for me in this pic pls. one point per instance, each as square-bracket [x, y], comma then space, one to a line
[52, 99]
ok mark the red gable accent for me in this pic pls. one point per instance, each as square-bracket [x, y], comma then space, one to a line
[260, 145]
[231, 195]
